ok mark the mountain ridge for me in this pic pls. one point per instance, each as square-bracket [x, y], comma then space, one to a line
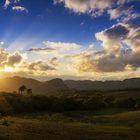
[11, 84]
[133, 83]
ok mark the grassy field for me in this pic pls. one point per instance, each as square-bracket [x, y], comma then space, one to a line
[72, 126]
[107, 123]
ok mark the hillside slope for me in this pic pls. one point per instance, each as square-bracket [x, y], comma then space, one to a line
[104, 85]
[12, 84]
[58, 85]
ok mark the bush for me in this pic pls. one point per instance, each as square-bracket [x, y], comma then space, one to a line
[94, 103]
[128, 103]
[109, 100]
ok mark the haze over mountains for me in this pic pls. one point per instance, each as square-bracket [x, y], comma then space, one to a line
[103, 86]
[58, 85]
[12, 84]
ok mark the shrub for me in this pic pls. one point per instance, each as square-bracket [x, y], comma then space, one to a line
[128, 103]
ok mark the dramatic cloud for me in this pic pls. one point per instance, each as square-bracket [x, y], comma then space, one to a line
[126, 33]
[17, 63]
[56, 48]
[54, 62]
[120, 53]
[19, 9]
[14, 59]
[114, 57]
[61, 45]
[91, 7]
[39, 66]
[121, 50]
[125, 60]
[112, 38]
[7, 59]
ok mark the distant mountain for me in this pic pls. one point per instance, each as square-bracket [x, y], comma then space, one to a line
[106, 85]
[12, 84]
[59, 86]
[55, 85]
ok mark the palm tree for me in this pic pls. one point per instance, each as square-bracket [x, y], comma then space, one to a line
[29, 91]
[22, 89]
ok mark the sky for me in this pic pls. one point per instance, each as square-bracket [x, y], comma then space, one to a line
[70, 39]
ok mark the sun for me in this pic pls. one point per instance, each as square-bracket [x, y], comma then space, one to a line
[8, 69]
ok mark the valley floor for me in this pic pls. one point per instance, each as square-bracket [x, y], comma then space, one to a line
[72, 126]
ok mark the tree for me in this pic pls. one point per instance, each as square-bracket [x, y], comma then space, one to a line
[94, 103]
[109, 100]
[22, 89]
[128, 103]
[29, 91]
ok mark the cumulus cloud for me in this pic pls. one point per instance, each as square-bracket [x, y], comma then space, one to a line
[17, 63]
[39, 66]
[14, 59]
[113, 37]
[134, 39]
[91, 7]
[121, 50]
[55, 53]
[19, 8]
[61, 45]
[116, 9]
[125, 60]
[36, 68]
[54, 61]
[121, 44]
[57, 48]
[7, 59]
[51, 46]
[125, 33]
[113, 58]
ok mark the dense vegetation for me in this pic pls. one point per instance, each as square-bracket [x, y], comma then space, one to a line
[72, 116]
[17, 103]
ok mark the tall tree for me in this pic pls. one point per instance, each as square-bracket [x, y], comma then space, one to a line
[29, 91]
[22, 89]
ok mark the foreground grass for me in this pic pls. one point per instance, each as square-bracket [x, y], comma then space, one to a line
[64, 126]
[25, 121]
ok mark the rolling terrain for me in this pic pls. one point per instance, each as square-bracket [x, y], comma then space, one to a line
[114, 127]
[104, 85]
[12, 84]
[59, 85]
[56, 111]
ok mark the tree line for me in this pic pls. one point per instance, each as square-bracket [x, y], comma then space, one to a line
[39, 103]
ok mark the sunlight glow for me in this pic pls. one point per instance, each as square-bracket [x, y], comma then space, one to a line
[9, 69]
